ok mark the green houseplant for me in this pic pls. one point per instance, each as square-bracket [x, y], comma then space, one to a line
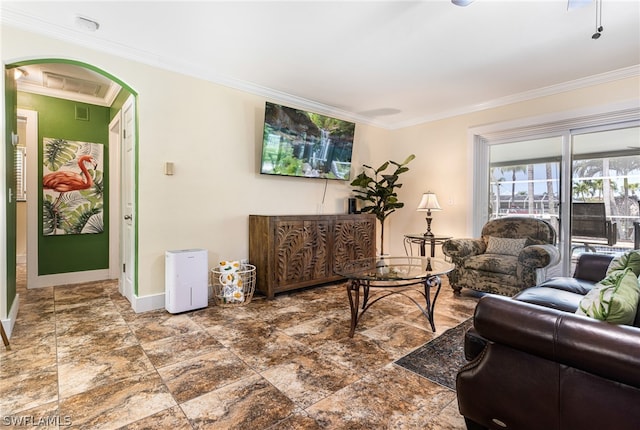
[377, 193]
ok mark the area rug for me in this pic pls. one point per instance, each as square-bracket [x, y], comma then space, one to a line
[440, 359]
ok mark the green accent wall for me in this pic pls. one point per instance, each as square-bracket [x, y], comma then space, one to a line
[11, 115]
[57, 119]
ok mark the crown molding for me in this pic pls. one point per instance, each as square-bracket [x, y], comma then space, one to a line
[627, 111]
[602, 78]
[29, 23]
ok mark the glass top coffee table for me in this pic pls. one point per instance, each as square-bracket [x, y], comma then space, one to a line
[393, 275]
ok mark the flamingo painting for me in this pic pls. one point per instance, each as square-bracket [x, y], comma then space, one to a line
[72, 199]
[64, 181]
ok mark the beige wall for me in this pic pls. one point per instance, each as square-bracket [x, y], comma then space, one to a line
[212, 134]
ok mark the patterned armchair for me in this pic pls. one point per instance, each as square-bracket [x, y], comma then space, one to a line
[506, 259]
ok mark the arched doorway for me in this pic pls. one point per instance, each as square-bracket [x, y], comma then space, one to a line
[75, 106]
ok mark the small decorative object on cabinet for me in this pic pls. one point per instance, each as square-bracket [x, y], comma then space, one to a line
[296, 251]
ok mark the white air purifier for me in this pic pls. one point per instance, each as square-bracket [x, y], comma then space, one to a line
[186, 280]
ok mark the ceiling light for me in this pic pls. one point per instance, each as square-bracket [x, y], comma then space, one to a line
[87, 24]
[462, 2]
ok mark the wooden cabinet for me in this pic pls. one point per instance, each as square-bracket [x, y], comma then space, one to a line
[295, 251]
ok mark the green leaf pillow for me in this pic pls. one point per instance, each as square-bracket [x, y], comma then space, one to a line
[614, 299]
[630, 259]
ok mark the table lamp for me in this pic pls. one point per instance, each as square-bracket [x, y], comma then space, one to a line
[429, 203]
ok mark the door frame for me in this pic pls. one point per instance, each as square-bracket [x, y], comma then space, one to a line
[8, 305]
[34, 281]
[118, 140]
[115, 140]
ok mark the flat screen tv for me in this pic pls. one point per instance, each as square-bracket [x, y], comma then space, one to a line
[305, 144]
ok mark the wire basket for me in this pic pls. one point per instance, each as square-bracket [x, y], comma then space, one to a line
[233, 289]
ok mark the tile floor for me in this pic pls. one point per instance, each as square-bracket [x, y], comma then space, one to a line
[81, 358]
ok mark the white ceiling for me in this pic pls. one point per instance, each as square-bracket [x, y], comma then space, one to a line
[387, 63]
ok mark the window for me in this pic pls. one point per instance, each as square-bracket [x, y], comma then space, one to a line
[524, 178]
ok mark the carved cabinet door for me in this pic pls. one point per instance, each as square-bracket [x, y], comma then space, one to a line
[354, 239]
[302, 251]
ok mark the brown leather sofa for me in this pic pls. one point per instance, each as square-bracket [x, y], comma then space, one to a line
[539, 366]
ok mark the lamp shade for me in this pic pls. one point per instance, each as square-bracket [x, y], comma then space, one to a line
[429, 202]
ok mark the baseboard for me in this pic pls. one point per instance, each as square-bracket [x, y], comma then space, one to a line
[153, 302]
[58, 279]
[10, 321]
[147, 303]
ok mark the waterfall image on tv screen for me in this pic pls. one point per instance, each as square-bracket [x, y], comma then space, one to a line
[300, 143]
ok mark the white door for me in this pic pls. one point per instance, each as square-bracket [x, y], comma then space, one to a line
[128, 274]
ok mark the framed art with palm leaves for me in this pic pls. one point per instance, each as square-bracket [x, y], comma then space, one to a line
[72, 187]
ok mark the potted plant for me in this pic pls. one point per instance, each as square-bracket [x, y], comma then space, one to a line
[378, 192]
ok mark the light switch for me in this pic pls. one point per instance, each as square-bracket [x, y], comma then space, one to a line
[168, 168]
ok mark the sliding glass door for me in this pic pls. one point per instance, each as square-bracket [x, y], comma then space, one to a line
[605, 189]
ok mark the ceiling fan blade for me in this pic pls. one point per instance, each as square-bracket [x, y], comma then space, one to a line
[576, 4]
